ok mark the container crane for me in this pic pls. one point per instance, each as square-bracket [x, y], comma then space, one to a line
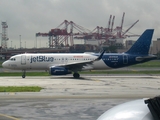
[129, 28]
[59, 36]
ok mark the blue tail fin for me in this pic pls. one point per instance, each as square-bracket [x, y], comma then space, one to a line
[142, 45]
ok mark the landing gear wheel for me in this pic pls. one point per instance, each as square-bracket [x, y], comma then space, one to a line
[24, 74]
[76, 75]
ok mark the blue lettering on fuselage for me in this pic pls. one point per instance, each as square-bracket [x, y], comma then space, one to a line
[41, 59]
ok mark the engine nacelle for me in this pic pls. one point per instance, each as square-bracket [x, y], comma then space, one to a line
[59, 71]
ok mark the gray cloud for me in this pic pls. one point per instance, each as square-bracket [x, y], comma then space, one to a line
[27, 17]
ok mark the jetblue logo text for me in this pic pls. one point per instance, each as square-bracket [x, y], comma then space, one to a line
[41, 59]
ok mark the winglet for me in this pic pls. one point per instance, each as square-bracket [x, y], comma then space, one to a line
[100, 56]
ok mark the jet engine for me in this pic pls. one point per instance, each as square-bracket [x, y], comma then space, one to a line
[59, 71]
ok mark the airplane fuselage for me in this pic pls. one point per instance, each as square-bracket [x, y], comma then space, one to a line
[29, 61]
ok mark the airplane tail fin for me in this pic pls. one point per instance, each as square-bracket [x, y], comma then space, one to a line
[142, 45]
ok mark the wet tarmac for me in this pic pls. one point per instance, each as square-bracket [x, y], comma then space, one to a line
[65, 98]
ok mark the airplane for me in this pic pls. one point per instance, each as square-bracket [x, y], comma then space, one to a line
[66, 63]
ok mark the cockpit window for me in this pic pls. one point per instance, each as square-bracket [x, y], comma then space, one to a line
[13, 59]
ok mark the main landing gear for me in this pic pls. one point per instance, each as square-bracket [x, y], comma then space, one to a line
[24, 73]
[76, 75]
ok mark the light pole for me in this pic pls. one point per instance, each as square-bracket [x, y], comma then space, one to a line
[11, 44]
[20, 40]
[1, 42]
[36, 42]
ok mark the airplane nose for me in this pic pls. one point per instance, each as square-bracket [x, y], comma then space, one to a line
[4, 64]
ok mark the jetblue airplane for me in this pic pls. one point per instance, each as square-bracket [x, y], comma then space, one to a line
[66, 63]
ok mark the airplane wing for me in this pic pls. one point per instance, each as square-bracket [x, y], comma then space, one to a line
[80, 64]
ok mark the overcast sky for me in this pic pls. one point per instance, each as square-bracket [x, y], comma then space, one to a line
[28, 17]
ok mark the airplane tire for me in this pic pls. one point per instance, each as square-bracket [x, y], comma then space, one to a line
[76, 75]
[23, 76]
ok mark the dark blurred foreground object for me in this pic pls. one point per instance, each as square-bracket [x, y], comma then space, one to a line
[154, 107]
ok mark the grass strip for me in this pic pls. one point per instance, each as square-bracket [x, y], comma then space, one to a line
[27, 74]
[20, 89]
[83, 72]
[153, 63]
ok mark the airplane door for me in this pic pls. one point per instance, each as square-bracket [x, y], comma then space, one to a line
[125, 59]
[23, 60]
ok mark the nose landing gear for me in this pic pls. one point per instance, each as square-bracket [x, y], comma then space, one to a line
[24, 73]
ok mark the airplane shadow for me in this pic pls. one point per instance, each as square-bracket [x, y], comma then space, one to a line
[72, 78]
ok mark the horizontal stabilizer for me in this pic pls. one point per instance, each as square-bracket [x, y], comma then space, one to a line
[145, 58]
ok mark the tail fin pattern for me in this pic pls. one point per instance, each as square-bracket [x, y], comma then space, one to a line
[142, 45]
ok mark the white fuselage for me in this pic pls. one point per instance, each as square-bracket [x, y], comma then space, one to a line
[45, 61]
